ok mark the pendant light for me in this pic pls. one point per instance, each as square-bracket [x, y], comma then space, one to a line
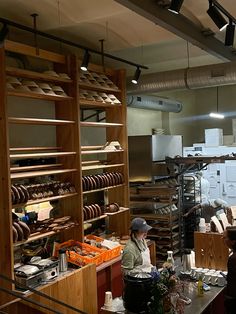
[216, 115]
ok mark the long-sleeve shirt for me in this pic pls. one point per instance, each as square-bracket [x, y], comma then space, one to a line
[231, 277]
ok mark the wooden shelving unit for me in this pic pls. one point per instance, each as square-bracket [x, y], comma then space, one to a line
[67, 151]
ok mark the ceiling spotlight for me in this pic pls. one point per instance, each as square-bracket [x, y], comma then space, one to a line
[85, 62]
[3, 33]
[175, 6]
[229, 34]
[216, 16]
[136, 76]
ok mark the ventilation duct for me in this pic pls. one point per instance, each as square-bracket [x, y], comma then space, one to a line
[153, 103]
[191, 78]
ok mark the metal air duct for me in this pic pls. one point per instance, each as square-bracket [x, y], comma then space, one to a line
[191, 78]
[153, 103]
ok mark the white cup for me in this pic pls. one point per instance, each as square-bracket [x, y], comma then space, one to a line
[198, 273]
[193, 272]
[214, 279]
[207, 278]
[221, 281]
[108, 300]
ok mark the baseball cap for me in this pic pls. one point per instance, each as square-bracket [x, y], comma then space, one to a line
[218, 202]
[140, 224]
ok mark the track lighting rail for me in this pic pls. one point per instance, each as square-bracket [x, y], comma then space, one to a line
[68, 42]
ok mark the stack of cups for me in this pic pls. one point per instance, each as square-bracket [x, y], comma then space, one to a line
[108, 300]
[202, 225]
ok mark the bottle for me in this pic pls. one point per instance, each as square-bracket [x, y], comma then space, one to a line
[202, 225]
[170, 259]
[200, 290]
[63, 265]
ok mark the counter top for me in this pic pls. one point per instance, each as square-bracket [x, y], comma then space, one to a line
[199, 304]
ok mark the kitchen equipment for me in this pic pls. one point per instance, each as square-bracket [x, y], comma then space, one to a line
[63, 264]
[186, 261]
[137, 291]
[50, 268]
[28, 275]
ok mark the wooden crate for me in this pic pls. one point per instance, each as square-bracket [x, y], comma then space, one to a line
[210, 251]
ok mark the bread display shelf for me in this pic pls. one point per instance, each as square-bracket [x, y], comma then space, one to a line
[35, 167]
[41, 235]
[170, 217]
[103, 189]
[16, 72]
[38, 96]
[99, 88]
[39, 121]
[41, 155]
[102, 151]
[95, 219]
[99, 166]
[30, 174]
[84, 103]
[124, 209]
[46, 199]
[39, 148]
[100, 124]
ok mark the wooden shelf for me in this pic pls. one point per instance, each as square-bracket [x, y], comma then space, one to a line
[84, 103]
[42, 155]
[99, 166]
[41, 236]
[102, 151]
[28, 149]
[30, 174]
[38, 96]
[46, 199]
[95, 219]
[38, 121]
[100, 124]
[118, 212]
[106, 188]
[165, 217]
[35, 167]
[17, 72]
[98, 88]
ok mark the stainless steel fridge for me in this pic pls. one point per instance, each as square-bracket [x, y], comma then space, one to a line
[146, 153]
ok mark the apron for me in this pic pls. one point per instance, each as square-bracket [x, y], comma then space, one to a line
[146, 266]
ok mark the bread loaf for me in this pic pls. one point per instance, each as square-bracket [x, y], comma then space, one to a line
[25, 229]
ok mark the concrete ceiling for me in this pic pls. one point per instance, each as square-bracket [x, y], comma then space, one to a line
[128, 34]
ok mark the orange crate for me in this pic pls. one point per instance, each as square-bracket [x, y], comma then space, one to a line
[108, 254]
[76, 258]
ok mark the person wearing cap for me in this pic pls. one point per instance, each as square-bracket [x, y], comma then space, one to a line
[136, 254]
[229, 237]
[209, 208]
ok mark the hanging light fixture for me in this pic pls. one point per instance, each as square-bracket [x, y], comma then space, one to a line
[216, 16]
[85, 61]
[216, 115]
[229, 34]
[175, 6]
[136, 76]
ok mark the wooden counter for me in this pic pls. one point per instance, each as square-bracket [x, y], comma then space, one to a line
[76, 288]
[211, 302]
